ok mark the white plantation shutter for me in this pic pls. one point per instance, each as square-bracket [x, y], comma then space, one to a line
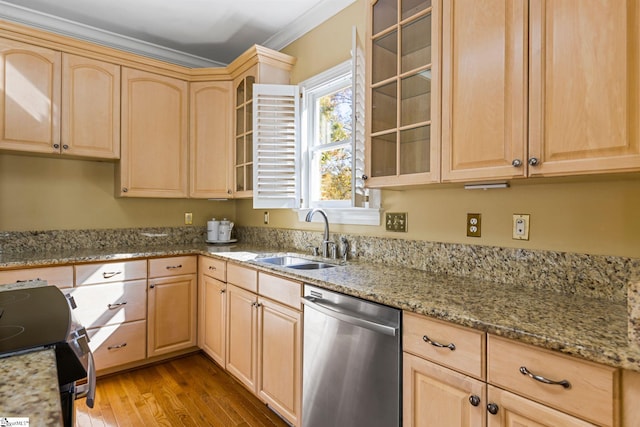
[358, 119]
[276, 146]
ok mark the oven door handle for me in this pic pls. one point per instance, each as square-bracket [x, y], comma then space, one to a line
[349, 317]
[88, 390]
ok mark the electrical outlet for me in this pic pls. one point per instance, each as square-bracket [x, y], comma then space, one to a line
[521, 226]
[396, 221]
[188, 218]
[266, 217]
[474, 222]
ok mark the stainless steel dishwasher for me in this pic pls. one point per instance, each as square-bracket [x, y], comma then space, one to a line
[352, 362]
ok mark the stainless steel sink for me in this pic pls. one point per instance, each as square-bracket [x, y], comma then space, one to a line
[295, 262]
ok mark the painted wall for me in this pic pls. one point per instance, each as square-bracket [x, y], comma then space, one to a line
[594, 214]
[41, 193]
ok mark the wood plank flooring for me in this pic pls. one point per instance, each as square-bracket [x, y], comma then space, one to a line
[189, 391]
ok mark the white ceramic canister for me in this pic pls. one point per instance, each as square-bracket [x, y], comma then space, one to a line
[213, 230]
[224, 231]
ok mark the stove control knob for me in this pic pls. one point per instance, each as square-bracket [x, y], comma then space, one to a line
[72, 301]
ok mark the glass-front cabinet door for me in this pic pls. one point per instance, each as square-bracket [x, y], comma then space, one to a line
[403, 122]
[243, 162]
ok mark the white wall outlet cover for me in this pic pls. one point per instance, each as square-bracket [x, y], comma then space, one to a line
[520, 227]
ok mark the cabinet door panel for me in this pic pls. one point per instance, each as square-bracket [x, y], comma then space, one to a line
[585, 96]
[484, 74]
[280, 354]
[242, 333]
[210, 142]
[437, 396]
[154, 151]
[90, 107]
[30, 106]
[516, 411]
[172, 314]
[212, 318]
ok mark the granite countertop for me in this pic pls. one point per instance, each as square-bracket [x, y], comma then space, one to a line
[593, 329]
[29, 386]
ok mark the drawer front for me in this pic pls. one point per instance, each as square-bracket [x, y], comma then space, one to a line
[173, 266]
[62, 277]
[89, 274]
[421, 336]
[118, 344]
[213, 268]
[593, 394]
[110, 303]
[280, 289]
[243, 277]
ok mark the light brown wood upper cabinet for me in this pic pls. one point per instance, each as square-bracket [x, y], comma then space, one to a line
[403, 106]
[90, 107]
[154, 151]
[30, 87]
[580, 65]
[210, 139]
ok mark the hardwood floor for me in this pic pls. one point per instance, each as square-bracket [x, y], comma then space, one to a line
[189, 391]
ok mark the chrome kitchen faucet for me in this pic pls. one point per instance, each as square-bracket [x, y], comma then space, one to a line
[325, 239]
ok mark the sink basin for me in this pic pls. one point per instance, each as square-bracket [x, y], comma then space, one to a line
[296, 262]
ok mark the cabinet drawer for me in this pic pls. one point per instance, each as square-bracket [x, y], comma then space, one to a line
[110, 303]
[468, 356]
[213, 268]
[280, 289]
[118, 344]
[88, 274]
[62, 277]
[174, 266]
[243, 277]
[593, 394]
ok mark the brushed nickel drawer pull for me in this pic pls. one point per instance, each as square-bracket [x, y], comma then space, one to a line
[212, 268]
[115, 347]
[450, 346]
[173, 267]
[564, 383]
[110, 274]
[116, 305]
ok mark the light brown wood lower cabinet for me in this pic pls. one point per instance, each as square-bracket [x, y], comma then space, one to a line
[280, 358]
[212, 318]
[116, 345]
[242, 335]
[172, 315]
[517, 411]
[437, 396]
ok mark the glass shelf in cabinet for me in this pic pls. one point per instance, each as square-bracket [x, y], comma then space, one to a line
[416, 44]
[384, 57]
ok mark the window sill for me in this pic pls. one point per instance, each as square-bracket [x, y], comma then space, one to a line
[352, 216]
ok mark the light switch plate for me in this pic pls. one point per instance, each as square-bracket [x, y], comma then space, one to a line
[188, 218]
[396, 221]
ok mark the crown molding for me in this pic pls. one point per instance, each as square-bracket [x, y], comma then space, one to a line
[43, 21]
[305, 23]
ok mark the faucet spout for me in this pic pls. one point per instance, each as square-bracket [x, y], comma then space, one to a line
[325, 239]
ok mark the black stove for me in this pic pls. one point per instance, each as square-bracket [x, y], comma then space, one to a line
[32, 318]
[41, 317]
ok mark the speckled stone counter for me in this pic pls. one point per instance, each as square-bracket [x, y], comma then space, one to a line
[29, 382]
[595, 329]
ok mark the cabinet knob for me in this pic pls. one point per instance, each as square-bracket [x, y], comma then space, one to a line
[365, 177]
[125, 189]
[474, 400]
[222, 291]
[516, 163]
[65, 147]
[56, 146]
[229, 192]
[534, 161]
[492, 408]
[152, 286]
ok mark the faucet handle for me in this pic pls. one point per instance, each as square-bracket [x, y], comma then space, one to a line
[345, 248]
[314, 249]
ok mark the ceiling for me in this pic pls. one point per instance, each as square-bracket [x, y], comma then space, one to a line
[194, 33]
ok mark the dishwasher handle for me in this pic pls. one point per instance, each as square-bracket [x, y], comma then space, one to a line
[349, 317]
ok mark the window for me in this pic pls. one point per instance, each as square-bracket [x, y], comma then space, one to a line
[314, 158]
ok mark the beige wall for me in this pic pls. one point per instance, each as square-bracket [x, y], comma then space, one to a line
[40, 193]
[596, 215]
